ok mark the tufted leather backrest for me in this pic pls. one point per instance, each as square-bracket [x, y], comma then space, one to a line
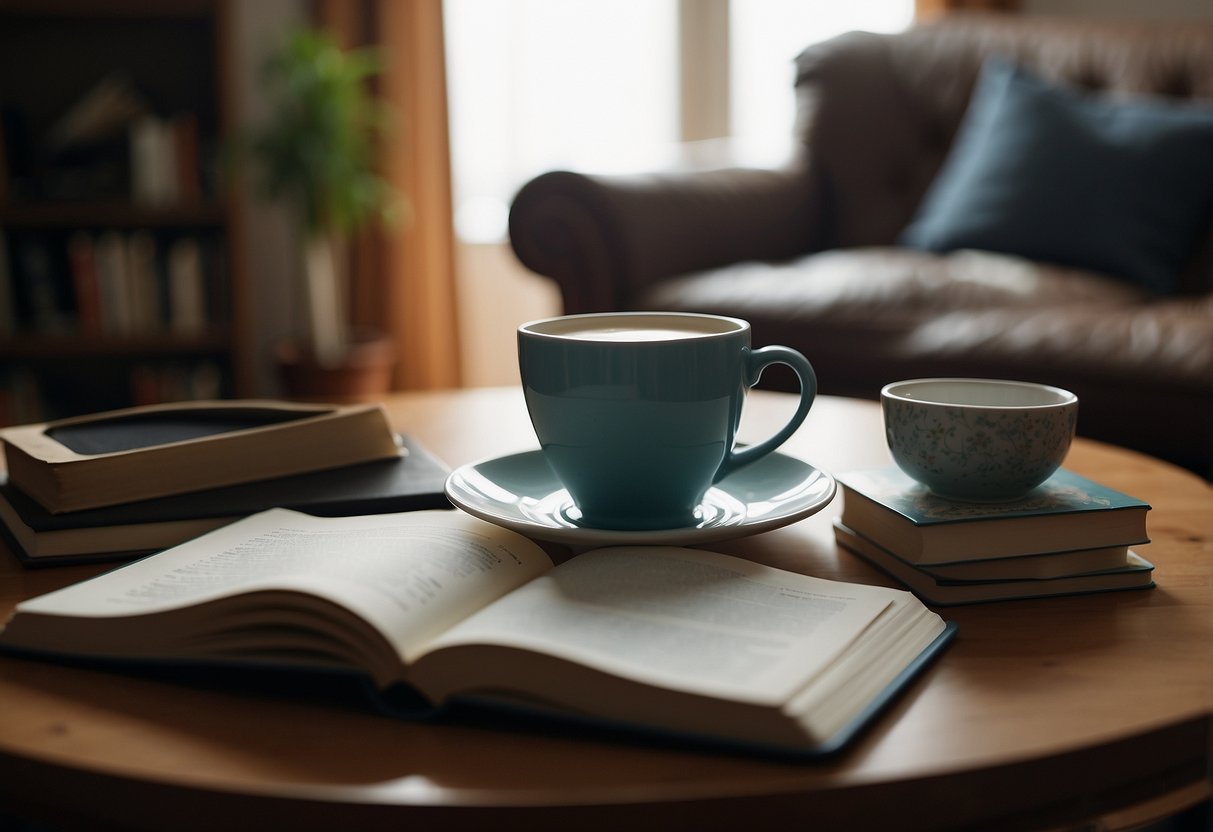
[877, 113]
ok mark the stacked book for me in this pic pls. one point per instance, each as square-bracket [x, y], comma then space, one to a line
[116, 485]
[1070, 535]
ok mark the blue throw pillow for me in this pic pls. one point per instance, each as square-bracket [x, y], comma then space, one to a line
[1053, 174]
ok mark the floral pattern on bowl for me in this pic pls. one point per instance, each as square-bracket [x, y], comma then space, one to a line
[977, 453]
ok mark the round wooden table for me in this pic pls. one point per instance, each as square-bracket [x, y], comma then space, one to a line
[1041, 712]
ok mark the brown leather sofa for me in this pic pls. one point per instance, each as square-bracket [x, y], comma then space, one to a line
[810, 253]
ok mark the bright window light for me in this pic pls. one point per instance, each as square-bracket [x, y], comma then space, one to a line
[541, 84]
[537, 85]
[765, 36]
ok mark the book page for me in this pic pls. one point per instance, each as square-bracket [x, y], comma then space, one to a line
[682, 618]
[411, 574]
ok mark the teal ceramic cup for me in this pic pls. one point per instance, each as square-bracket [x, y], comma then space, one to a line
[637, 413]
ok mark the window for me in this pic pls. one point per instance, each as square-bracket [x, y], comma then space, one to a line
[541, 84]
[593, 85]
[765, 36]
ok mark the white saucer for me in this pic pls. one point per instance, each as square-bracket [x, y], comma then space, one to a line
[521, 493]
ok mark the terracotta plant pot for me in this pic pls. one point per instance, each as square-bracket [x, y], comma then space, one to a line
[364, 372]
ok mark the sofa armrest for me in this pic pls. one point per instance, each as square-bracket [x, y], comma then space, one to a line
[604, 238]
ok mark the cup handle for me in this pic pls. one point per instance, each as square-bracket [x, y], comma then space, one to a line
[755, 362]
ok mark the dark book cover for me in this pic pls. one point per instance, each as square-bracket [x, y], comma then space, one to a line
[1064, 493]
[414, 481]
[131, 431]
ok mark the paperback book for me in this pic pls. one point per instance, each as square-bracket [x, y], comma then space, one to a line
[153, 451]
[1067, 513]
[1034, 567]
[1136, 573]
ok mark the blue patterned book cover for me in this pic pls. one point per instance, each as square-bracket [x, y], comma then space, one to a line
[1063, 493]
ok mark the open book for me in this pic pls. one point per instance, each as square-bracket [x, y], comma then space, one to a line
[663, 639]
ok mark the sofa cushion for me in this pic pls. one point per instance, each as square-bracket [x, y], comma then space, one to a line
[872, 285]
[1121, 186]
[1168, 348]
[851, 310]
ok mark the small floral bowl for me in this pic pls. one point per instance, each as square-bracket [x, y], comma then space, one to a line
[982, 440]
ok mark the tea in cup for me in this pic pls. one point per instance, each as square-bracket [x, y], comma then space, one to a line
[637, 412]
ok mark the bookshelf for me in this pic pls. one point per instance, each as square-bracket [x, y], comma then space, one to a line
[121, 267]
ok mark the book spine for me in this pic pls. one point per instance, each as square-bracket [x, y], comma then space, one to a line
[187, 158]
[186, 288]
[175, 382]
[153, 163]
[83, 260]
[144, 291]
[113, 284]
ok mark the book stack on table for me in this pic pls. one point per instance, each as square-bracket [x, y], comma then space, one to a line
[117, 485]
[1069, 536]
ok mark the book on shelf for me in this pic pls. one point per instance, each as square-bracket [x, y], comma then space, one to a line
[187, 307]
[104, 109]
[187, 156]
[156, 382]
[140, 453]
[153, 161]
[1135, 573]
[1066, 513]
[82, 261]
[413, 481]
[41, 285]
[144, 296]
[125, 283]
[85, 152]
[113, 283]
[438, 609]
[165, 160]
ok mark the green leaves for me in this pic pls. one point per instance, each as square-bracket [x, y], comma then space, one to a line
[317, 148]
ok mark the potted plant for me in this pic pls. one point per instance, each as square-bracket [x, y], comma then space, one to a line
[315, 153]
